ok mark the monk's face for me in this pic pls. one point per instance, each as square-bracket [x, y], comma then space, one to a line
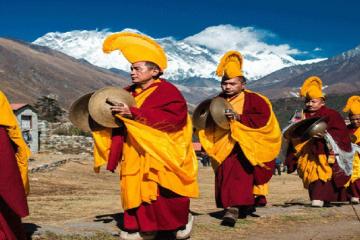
[141, 73]
[313, 105]
[232, 86]
[355, 120]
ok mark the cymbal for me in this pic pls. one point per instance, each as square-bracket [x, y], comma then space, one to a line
[200, 114]
[306, 128]
[79, 114]
[318, 126]
[99, 105]
[217, 110]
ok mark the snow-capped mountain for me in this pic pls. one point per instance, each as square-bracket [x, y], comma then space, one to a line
[194, 56]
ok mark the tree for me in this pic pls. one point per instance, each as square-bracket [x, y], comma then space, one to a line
[48, 108]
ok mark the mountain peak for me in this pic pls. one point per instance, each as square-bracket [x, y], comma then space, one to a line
[195, 56]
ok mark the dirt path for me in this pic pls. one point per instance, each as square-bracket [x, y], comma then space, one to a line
[72, 202]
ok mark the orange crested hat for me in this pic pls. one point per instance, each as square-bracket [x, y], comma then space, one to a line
[230, 65]
[312, 88]
[353, 105]
[136, 48]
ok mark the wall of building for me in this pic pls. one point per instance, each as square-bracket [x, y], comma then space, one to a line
[33, 130]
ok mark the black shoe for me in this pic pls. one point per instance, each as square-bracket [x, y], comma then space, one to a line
[230, 217]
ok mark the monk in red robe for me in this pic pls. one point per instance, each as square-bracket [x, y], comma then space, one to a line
[166, 110]
[243, 158]
[353, 108]
[314, 161]
[158, 164]
[13, 162]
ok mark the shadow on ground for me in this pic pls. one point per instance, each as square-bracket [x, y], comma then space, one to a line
[243, 213]
[107, 218]
[308, 205]
[30, 229]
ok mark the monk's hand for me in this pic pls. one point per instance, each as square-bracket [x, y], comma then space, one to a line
[230, 114]
[119, 108]
[319, 135]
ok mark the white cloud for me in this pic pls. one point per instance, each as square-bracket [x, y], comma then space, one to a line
[223, 38]
[317, 49]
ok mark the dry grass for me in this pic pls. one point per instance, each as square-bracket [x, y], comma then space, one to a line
[72, 202]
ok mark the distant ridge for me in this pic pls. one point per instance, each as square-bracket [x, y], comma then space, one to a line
[28, 71]
[340, 74]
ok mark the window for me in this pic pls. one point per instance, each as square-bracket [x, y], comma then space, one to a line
[26, 122]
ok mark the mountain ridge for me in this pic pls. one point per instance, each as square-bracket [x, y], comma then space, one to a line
[28, 71]
[339, 74]
[186, 58]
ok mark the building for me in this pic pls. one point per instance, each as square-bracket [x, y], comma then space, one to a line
[28, 120]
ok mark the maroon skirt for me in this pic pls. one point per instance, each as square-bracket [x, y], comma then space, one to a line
[234, 180]
[169, 212]
[354, 188]
[327, 191]
[10, 224]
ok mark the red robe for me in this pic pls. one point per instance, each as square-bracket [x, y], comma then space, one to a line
[164, 109]
[235, 177]
[332, 190]
[13, 204]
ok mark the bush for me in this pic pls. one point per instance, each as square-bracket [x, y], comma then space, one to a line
[70, 130]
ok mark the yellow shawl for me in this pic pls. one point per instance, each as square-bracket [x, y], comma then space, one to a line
[311, 167]
[260, 145]
[356, 162]
[150, 158]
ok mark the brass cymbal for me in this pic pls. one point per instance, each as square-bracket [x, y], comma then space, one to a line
[79, 114]
[217, 110]
[306, 128]
[200, 114]
[99, 105]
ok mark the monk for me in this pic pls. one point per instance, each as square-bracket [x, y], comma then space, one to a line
[14, 184]
[353, 108]
[158, 163]
[314, 161]
[244, 157]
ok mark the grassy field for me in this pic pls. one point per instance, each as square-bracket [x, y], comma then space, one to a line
[72, 202]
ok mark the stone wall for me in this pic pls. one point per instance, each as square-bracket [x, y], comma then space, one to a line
[52, 142]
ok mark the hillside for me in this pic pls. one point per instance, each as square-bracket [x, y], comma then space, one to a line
[340, 74]
[29, 71]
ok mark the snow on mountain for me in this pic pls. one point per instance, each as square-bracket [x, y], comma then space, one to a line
[194, 56]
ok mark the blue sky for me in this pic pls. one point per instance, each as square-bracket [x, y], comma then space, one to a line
[330, 27]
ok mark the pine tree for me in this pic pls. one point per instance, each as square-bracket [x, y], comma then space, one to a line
[48, 108]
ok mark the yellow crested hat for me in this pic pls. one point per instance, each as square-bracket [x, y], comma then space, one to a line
[353, 105]
[136, 48]
[312, 88]
[230, 65]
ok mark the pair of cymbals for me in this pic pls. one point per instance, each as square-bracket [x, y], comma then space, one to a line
[212, 110]
[92, 111]
[79, 114]
[307, 128]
